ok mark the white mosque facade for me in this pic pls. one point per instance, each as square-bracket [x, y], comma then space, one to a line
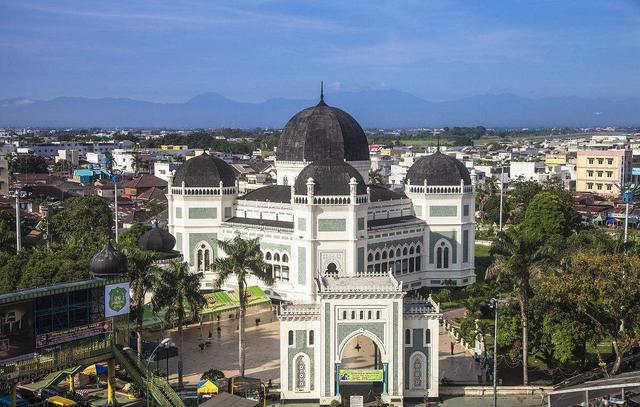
[343, 253]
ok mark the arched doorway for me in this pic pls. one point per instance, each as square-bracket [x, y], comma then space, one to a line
[362, 368]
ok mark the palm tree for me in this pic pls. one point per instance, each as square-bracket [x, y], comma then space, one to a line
[136, 163]
[143, 275]
[375, 177]
[109, 161]
[244, 259]
[485, 191]
[177, 288]
[519, 258]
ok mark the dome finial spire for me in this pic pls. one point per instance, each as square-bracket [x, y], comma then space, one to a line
[438, 138]
[321, 91]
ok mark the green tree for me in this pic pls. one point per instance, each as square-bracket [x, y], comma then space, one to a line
[143, 275]
[519, 256]
[243, 259]
[85, 219]
[550, 218]
[28, 164]
[129, 238]
[484, 192]
[375, 177]
[605, 289]
[176, 289]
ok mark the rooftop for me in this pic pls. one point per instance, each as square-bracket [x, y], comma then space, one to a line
[361, 282]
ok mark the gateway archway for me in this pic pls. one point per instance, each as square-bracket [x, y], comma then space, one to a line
[362, 367]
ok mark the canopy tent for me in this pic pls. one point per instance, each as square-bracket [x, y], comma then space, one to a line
[95, 370]
[222, 301]
[207, 387]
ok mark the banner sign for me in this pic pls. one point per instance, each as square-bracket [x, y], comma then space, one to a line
[361, 375]
[16, 330]
[73, 334]
[116, 300]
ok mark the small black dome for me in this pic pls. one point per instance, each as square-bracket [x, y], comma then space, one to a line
[157, 240]
[108, 262]
[438, 169]
[204, 171]
[322, 132]
[330, 177]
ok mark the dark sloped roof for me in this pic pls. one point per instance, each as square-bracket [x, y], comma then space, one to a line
[146, 181]
[261, 222]
[380, 193]
[331, 177]
[321, 132]
[400, 220]
[205, 171]
[270, 193]
[438, 169]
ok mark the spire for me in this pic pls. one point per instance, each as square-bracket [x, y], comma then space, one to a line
[321, 91]
[438, 138]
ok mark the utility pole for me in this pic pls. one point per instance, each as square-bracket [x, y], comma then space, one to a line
[18, 234]
[494, 304]
[115, 195]
[501, 192]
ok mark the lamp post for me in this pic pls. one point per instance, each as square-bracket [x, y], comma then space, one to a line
[502, 167]
[629, 192]
[494, 304]
[163, 344]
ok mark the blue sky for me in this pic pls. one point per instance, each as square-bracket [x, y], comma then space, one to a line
[254, 50]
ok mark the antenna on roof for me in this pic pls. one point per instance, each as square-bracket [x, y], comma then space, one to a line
[322, 91]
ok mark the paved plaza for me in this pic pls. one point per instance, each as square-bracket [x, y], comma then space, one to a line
[263, 358]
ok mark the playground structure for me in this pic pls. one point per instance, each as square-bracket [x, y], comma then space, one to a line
[52, 333]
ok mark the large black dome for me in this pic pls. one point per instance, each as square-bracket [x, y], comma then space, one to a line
[108, 262]
[204, 171]
[157, 240]
[330, 177]
[438, 169]
[322, 132]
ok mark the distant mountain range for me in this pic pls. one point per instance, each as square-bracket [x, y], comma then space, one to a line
[372, 109]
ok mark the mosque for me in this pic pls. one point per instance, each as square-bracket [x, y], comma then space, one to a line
[344, 254]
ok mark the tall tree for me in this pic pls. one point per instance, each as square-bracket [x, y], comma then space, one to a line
[175, 289]
[243, 259]
[605, 288]
[143, 275]
[484, 192]
[519, 256]
[375, 177]
[85, 219]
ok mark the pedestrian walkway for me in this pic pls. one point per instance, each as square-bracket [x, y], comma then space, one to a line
[459, 367]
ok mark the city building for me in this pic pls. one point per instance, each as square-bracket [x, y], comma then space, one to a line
[70, 156]
[601, 171]
[323, 218]
[527, 170]
[4, 176]
[162, 169]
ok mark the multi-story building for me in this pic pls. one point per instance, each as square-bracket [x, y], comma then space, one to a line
[4, 176]
[602, 171]
[551, 160]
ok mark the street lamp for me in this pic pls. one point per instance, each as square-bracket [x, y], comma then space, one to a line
[502, 167]
[165, 343]
[494, 304]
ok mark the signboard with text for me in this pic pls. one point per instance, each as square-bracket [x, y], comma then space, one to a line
[361, 375]
[116, 300]
[73, 334]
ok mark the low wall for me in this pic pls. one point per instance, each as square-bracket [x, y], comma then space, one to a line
[484, 391]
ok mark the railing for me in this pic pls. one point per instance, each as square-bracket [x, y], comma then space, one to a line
[440, 189]
[331, 200]
[68, 356]
[203, 191]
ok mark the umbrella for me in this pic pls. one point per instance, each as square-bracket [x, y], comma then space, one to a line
[95, 370]
[207, 387]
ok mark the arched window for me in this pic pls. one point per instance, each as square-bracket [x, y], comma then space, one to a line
[377, 256]
[398, 252]
[370, 257]
[411, 250]
[332, 270]
[418, 249]
[391, 254]
[290, 338]
[278, 266]
[203, 257]
[404, 251]
[267, 256]
[407, 336]
[442, 256]
[276, 257]
[344, 314]
[384, 255]
[285, 258]
[311, 338]
[301, 374]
